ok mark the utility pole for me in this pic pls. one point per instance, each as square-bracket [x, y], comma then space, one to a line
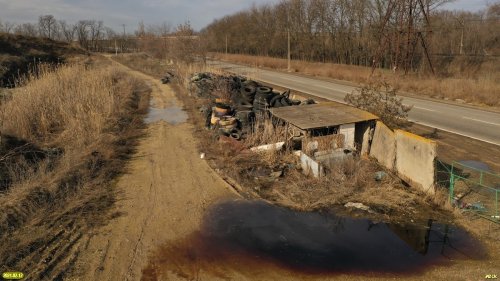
[289, 57]
[462, 38]
[124, 38]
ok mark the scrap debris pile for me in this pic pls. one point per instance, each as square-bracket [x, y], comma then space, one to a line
[238, 101]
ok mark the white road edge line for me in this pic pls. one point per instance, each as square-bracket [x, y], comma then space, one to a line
[424, 108]
[477, 120]
[418, 122]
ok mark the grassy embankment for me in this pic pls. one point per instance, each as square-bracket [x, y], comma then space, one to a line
[66, 135]
[19, 54]
[472, 81]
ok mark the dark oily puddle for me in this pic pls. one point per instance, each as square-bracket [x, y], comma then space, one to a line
[171, 114]
[255, 233]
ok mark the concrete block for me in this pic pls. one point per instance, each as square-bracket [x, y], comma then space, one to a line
[310, 166]
[384, 146]
[348, 130]
[415, 156]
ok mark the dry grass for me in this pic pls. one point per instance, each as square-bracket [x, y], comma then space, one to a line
[92, 117]
[350, 181]
[481, 87]
[265, 130]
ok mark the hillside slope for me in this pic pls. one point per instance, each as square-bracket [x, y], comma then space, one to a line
[18, 52]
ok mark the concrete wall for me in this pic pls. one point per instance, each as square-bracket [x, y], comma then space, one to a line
[384, 146]
[309, 166]
[363, 136]
[415, 157]
[348, 130]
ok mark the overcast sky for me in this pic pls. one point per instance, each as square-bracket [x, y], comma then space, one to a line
[114, 13]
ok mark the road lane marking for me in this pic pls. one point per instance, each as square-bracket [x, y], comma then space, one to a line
[477, 120]
[415, 121]
[431, 125]
[424, 108]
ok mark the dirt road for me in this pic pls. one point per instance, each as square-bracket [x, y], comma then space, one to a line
[163, 196]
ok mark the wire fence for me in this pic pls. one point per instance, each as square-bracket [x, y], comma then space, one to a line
[471, 188]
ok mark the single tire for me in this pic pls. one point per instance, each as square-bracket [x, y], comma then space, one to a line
[274, 99]
[264, 90]
[214, 120]
[235, 135]
[285, 102]
[277, 103]
[226, 121]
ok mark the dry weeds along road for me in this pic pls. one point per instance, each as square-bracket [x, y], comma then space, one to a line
[164, 194]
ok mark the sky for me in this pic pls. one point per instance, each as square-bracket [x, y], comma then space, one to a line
[114, 13]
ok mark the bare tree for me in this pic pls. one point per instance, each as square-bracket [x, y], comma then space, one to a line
[381, 99]
[27, 29]
[7, 27]
[47, 26]
[82, 33]
[68, 31]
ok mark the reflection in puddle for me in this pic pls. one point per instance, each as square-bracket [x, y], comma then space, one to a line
[330, 242]
[256, 233]
[173, 115]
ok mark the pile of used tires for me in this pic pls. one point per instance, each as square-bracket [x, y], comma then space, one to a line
[248, 99]
[224, 119]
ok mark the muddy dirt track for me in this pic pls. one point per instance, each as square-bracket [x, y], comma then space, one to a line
[165, 195]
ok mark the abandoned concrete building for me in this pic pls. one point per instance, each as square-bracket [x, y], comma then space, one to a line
[328, 132]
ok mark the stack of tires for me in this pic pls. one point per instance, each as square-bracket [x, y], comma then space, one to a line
[246, 118]
[262, 98]
[219, 111]
[246, 98]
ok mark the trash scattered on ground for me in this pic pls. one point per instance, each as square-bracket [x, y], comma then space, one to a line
[380, 175]
[360, 206]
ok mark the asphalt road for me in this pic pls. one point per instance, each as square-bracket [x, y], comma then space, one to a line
[474, 123]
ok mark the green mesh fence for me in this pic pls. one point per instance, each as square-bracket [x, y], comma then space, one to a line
[471, 188]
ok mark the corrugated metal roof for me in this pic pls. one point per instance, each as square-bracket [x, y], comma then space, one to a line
[327, 114]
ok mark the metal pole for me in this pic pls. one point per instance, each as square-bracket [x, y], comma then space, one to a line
[462, 41]
[452, 184]
[124, 38]
[496, 204]
[289, 56]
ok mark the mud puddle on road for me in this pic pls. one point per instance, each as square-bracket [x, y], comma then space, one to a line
[246, 236]
[171, 114]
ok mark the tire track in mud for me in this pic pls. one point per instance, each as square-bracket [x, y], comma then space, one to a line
[165, 192]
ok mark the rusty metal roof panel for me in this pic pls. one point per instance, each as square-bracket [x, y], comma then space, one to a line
[327, 114]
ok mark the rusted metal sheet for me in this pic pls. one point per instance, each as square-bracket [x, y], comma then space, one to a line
[322, 115]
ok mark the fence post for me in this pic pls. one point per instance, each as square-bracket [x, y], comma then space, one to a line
[496, 204]
[452, 187]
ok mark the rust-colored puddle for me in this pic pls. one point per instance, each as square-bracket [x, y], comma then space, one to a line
[172, 114]
[244, 236]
